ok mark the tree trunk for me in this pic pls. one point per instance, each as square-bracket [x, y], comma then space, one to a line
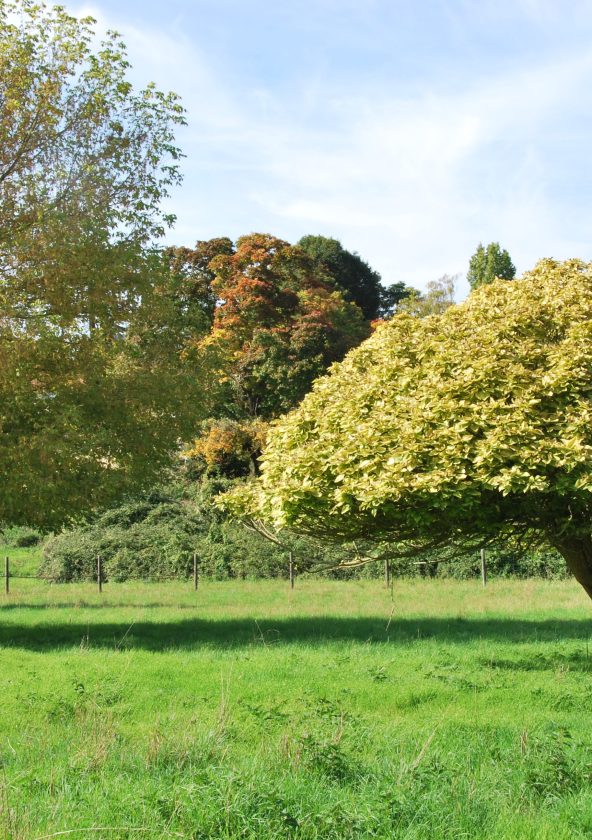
[577, 553]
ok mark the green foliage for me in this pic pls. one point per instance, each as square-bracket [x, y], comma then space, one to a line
[469, 426]
[490, 263]
[20, 536]
[95, 387]
[151, 538]
[393, 296]
[348, 271]
[502, 562]
[438, 296]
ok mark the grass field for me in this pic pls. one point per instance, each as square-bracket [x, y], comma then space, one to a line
[334, 711]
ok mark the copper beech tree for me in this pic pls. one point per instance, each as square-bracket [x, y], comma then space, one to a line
[95, 384]
[467, 426]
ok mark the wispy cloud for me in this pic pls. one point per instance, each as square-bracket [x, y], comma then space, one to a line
[412, 176]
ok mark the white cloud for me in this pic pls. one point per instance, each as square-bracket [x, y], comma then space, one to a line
[412, 183]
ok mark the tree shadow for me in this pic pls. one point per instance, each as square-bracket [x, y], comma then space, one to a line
[196, 633]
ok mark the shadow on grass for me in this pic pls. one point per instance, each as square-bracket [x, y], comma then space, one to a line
[193, 634]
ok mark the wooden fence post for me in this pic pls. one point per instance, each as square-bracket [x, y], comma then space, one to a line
[291, 568]
[100, 573]
[195, 571]
[7, 574]
[483, 567]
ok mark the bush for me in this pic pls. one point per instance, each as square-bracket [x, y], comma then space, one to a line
[21, 536]
[150, 539]
[154, 538]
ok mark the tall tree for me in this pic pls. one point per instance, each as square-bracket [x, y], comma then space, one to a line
[192, 275]
[467, 426]
[279, 323]
[490, 263]
[93, 376]
[348, 271]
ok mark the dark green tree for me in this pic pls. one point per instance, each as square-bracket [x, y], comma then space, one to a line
[392, 296]
[489, 263]
[351, 275]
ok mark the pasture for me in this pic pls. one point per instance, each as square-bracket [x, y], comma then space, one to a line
[338, 710]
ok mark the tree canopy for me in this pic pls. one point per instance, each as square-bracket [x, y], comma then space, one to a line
[465, 426]
[94, 384]
[277, 325]
[439, 295]
[490, 263]
[348, 271]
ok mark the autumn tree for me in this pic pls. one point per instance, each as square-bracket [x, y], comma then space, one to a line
[489, 263]
[192, 275]
[464, 427]
[279, 324]
[95, 383]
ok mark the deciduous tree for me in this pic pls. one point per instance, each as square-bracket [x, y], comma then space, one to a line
[348, 271]
[279, 323]
[469, 426]
[94, 385]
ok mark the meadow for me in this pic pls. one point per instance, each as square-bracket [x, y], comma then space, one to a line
[339, 710]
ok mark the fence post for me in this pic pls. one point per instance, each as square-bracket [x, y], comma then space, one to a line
[387, 573]
[7, 574]
[195, 571]
[483, 567]
[100, 573]
[291, 568]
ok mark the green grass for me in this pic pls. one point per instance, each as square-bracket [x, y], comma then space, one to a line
[331, 712]
[23, 561]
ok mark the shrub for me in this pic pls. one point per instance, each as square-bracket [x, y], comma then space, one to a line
[21, 536]
[152, 539]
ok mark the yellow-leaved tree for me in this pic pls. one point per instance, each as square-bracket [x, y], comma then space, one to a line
[467, 426]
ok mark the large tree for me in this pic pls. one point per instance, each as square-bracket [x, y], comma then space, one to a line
[468, 426]
[488, 264]
[348, 271]
[94, 382]
[278, 324]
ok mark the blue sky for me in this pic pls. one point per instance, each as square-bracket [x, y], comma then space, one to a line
[408, 130]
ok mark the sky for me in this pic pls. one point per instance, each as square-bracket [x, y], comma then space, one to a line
[410, 131]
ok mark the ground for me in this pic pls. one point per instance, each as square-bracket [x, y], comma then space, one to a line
[339, 710]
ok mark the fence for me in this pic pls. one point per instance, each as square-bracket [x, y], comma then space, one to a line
[100, 578]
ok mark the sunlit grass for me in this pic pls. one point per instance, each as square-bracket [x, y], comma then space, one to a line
[338, 710]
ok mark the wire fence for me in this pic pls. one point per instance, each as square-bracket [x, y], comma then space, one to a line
[99, 577]
[9, 575]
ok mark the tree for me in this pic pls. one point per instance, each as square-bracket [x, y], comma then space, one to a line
[470, 426]
[95, 384]
[490, 263]
[190, 268]
[279, 323]
[436, 300]
[350, 274]
[393, 297]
